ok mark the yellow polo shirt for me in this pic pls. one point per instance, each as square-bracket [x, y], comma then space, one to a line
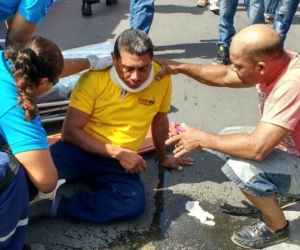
[115, 119]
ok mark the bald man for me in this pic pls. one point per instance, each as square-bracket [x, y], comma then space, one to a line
[264, 159]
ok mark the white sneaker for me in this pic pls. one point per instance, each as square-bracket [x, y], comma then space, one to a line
[214, 8]
[202, 3]
[34, 246]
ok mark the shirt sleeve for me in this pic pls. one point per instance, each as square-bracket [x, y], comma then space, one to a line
[22, 135]
[35, 10]
[85, 93]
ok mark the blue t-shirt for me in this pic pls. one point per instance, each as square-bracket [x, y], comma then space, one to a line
[32, 10]
[20, 135]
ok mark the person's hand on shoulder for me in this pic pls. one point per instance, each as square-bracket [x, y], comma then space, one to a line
[99, 63]
[169, 67]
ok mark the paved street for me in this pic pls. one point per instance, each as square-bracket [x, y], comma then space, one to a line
[183, 32]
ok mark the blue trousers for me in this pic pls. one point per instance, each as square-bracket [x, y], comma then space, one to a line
[270, 8]
[255, 11]
[141, 14]
[14, 203]
[116, 194]
[284, 15]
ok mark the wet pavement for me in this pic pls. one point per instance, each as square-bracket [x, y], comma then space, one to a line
[183, 32]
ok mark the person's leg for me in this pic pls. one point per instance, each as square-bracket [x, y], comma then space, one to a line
[141, 14]
[272, 213]
[284, 15]
[14, 203]
[255, 11]
[261, 182]
[116, 194]
[270, 8]
[226, 30]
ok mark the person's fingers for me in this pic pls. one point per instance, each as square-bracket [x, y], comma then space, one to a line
[185, 126]
[179, 153]
[158, 60]
[178, 149]
[173, 140]
[175, 166]
[160, 75]
[144, 165]
[139, 168]
[186, 163]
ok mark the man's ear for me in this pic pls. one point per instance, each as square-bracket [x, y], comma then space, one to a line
[113, 56]
[262, 67]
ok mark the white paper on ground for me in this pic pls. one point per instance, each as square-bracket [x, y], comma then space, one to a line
[195, 210]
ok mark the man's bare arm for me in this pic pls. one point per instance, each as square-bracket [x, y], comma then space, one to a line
[74, 66]
[160, 129]
[211, 75]
[73, 132]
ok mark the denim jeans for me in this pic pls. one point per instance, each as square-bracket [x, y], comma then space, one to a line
[255, 11]
[115, 193]
[285, 12]
[278, 173]
[141, 14]
[270, 8]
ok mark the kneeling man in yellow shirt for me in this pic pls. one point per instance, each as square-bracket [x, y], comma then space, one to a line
[107, 121]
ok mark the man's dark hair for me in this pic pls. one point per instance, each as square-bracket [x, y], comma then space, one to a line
[133, 41]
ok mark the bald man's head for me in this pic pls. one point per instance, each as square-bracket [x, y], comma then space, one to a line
[257, 42]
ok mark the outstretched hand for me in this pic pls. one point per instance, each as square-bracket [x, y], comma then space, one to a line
[168, 67]
[177, 163]
[186, 142]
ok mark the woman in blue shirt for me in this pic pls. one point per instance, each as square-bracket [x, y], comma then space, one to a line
[25, 74]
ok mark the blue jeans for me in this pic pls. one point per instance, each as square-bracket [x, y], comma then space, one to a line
[255, 11]
[141, 14]
[116, 194]
[285, 12]
[270, 8]
[278, 173]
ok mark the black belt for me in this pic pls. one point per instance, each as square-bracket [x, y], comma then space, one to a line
[13, 167]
